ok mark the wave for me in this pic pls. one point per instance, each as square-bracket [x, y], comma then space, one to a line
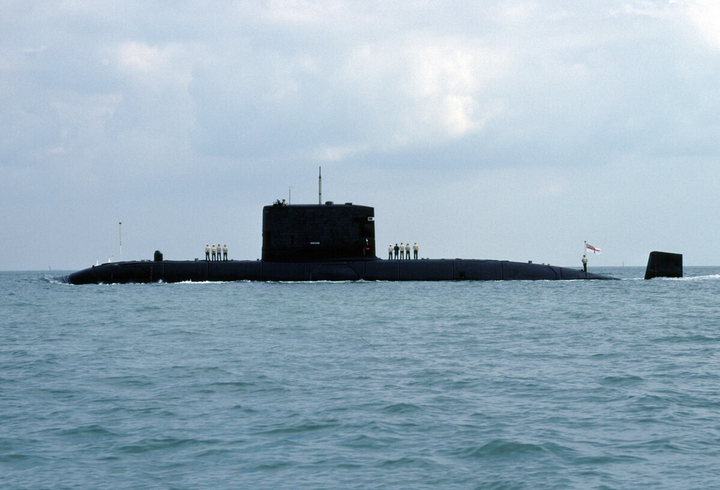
[686, 278]
[51, 279]
[501, 448]
[401, 408]
[165, 443]
[709, 277]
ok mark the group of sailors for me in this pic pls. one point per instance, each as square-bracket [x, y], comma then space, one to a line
[218, 252]
[402, 251]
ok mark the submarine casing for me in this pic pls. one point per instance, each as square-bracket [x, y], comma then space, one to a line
[341, 270]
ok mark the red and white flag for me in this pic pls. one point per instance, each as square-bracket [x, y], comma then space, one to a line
[593, 249]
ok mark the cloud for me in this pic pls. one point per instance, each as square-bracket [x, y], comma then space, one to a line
[398, 93]
[705, 16]
[436, 85]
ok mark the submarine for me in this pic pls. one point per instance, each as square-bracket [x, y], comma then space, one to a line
[320, 242]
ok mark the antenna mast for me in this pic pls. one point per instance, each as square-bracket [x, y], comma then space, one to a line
[319, 185]
[120, 231]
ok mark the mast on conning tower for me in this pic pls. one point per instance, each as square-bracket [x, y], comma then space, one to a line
[319, 185]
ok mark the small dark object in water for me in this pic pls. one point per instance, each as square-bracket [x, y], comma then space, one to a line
[664, 264]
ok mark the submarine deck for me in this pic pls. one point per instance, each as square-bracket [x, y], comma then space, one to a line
[340, 270]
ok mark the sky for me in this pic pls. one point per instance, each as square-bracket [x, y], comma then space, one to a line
[512, 130]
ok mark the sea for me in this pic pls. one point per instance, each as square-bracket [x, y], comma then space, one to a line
[361, 385]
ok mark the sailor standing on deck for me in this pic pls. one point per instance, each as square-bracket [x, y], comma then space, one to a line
[584, 261]
[390, 250]
[214, 251]
[207, 252]
[396, 251]
[402, 251]
[407, 251]
[224, 252]
[415, 249]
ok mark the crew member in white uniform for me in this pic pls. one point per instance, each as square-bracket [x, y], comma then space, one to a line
[415, 250]
[214, 251]
[207, 252]
[407, 251]
[584, 261]
[390, 249]
[224, 252]
[402, 251]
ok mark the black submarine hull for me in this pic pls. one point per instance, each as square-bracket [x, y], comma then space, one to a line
[339, 270]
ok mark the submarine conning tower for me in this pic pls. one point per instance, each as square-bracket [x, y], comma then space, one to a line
[318, 232]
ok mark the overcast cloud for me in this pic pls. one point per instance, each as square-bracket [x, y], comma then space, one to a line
[493, 129]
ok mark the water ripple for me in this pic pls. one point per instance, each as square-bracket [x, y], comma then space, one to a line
[361, 385]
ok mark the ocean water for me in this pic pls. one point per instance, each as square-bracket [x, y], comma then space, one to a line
[497, 385]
